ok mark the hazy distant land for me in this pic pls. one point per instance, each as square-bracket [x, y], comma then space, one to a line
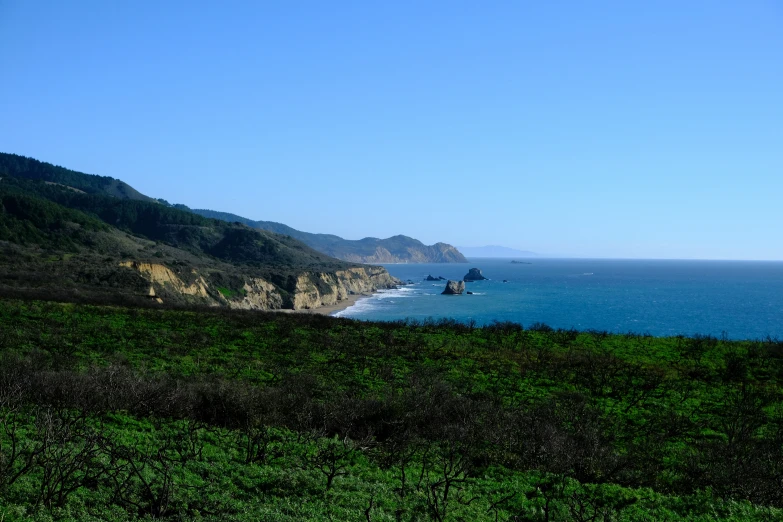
[495, 251]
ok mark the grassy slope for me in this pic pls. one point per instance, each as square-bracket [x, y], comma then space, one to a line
[625, 427]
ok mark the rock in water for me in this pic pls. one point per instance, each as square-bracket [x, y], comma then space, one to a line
[430, 278]
[469, 292]
[454, 287]
[474, 274]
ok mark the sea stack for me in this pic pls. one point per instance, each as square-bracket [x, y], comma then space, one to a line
[454, 287]
[474, 274]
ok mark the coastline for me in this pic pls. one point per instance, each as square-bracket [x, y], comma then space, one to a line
[339, 306]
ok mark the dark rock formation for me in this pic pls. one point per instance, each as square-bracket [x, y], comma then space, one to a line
[469, 292]
[454, 287]
[474, 274]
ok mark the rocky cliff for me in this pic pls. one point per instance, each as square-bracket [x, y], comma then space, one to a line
[314, 290]
[311, 289]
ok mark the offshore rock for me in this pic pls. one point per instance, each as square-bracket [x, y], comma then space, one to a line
[454, 287]
[474, 274]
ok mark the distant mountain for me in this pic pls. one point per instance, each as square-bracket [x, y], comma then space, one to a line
[495, 251]
[396, 249]
[68, 235]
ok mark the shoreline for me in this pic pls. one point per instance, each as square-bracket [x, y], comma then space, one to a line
[339, 306]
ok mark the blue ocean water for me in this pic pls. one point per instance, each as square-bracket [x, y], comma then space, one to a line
[739, 299]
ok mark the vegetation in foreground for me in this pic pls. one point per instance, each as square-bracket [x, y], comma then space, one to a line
[111, 413]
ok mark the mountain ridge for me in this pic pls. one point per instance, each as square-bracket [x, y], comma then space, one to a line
[395, 249]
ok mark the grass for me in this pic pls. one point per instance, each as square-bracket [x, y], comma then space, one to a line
[234, 415]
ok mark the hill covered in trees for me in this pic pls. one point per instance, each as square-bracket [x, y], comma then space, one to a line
[29, 168]
[396, 249]
[75, 234]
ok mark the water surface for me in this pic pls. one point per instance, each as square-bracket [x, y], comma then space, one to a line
[739, 299]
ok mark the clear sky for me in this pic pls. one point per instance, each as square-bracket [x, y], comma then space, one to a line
[592, 129]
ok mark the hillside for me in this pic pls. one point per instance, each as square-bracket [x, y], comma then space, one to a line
[396, 249]
[76, 235]
[29, 168]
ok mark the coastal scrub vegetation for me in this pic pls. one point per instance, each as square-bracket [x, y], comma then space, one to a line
[72, 242]
[115, 413]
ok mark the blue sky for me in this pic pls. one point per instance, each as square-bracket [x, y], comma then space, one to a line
[594, 129]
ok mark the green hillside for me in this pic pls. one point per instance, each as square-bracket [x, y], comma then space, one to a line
[63, 232]
[396, 249]
[29, 168]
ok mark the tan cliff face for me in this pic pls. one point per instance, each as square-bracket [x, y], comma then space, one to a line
[312, 290]
[315, 290]
[163, 276]
[259, 295]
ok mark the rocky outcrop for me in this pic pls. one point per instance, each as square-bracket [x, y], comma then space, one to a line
[161, 275]
[324, 289]
[439, 278]
[312, 290]
[454, 287]
[474, 274]
[258, 295]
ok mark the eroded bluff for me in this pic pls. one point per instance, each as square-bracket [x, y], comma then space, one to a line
[310, 290]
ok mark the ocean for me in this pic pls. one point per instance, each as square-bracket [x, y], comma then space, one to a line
[735, 299]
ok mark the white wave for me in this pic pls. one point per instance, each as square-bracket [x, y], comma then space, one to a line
[359, 307]
[390, 294]
[369, 303]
